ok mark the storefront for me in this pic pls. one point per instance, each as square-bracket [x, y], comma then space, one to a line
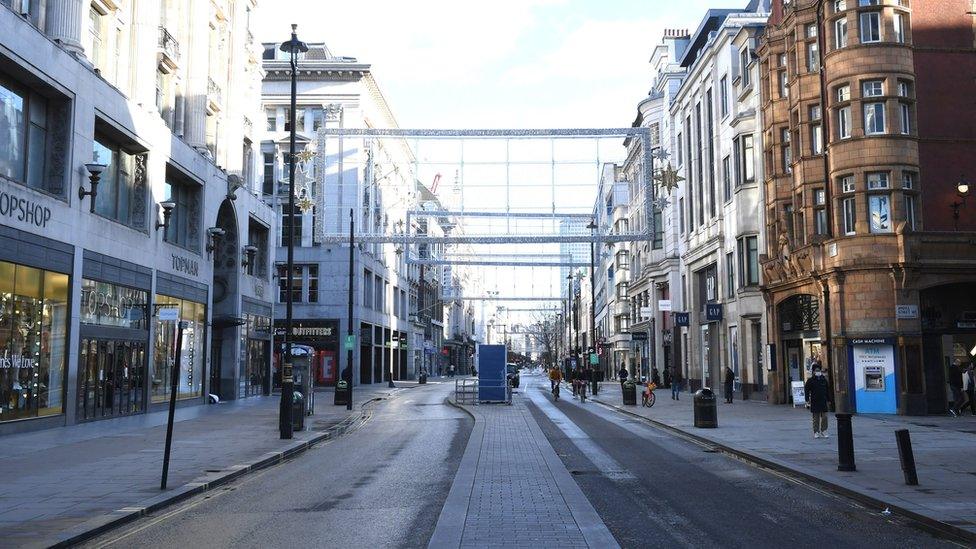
[320, 335]
[33, 339]
[192, 352]
[255, 349]
[112, 350]
[799, 339]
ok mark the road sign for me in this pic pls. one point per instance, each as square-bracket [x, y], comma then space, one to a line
[664, 305]
[594, 360]
[350, 342]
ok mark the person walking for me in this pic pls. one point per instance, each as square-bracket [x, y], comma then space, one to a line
[655, 376]
[667, 377]
[676, 381]
[623, 374]
[815, 392]
[955, 386]
[574, 380]
[729, 383]
[969, 390]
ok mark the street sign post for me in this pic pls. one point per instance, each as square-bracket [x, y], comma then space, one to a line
[174, 379]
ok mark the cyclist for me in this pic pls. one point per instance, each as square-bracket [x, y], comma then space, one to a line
[555, 377]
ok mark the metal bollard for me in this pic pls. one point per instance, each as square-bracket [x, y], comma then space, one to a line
[845, 443]
[906, 456]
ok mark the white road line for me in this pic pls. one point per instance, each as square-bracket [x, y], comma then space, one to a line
[605, 464]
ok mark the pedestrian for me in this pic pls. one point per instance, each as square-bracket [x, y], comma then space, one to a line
[815, 392]
[451, 371]
[574, 380]
[955, 386]
[623, 374]
[676, 381]
[667, 377]
[655, 376]
[969, 390]
[729, 383]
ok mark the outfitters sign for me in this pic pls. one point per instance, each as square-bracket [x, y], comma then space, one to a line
[24, 210]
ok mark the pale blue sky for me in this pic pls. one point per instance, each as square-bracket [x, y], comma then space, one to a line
[505, 63]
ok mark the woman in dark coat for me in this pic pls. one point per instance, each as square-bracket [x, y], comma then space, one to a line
[815, 391]
[729, 382]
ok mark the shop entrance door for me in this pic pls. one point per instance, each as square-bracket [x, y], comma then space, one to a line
[793, 358]
[111, 378]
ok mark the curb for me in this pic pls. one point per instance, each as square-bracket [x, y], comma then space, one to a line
[103, 523]
[449, 527]
[928, 523]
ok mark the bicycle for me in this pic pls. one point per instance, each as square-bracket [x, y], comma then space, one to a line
[555, 392]
[647, 396]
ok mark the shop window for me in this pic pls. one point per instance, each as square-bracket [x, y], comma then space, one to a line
[33, 339]
[192, 350]
[850, 216]
[255, 340]
[879, 212]
[184, 223]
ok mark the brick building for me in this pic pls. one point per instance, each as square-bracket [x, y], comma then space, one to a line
[872, 271]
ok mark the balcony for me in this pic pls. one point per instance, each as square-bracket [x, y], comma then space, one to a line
[215, 96]
[169, 51]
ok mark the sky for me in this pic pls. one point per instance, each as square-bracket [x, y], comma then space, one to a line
[502, 64]
[496, 64]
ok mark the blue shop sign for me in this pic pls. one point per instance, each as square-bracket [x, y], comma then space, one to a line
[713, 312]
[680, 319]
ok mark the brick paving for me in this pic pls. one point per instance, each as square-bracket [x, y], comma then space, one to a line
[514, 490]
[943, 446]
[57, 480]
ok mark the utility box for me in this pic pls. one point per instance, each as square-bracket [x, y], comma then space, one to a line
[492, 379]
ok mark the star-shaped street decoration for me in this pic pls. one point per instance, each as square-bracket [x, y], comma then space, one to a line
[668, 178]
[305, 204]
[305, 155]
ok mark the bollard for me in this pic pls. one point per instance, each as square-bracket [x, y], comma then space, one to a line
[845, 443]
[906, 456]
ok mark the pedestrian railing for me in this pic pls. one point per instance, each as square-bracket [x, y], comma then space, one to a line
[466, 391]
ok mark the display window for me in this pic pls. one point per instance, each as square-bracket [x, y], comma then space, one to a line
[33, 335]
[191, 367]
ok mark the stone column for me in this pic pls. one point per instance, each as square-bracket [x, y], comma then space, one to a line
[64, 23]
[143, 57]
[197, 56]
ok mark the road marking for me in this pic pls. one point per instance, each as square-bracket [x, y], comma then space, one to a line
[605, 464]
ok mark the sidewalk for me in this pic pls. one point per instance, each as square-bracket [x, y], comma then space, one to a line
[511, 489]
[59, 484]
[781, 436]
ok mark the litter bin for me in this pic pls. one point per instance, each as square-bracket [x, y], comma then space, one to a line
[706, 413]
[298, 411]
[629, 389]
[341, 393]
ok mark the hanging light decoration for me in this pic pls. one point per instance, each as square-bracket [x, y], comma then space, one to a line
[303, 195]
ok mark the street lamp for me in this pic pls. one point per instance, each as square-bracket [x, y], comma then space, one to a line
[962, 191]
[592, 227]
[293, 47]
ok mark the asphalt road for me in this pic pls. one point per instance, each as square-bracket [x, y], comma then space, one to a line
[653, 489]
[382, 485]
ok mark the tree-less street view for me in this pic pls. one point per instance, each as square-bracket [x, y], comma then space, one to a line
[534, 273]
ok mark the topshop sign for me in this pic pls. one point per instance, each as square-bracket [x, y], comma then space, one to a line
[24, 210]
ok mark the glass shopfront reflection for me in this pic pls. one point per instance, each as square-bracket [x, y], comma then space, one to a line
[192, 353]
[255, 343]
[33, 330]
[112, 355]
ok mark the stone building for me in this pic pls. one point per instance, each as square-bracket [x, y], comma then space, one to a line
[714, 120]
[156, 98]
[869, 257]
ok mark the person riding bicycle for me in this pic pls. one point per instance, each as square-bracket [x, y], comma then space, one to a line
[555, 377]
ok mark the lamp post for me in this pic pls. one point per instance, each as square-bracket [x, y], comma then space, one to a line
[592, 227]
[293, 47]
[962, 191]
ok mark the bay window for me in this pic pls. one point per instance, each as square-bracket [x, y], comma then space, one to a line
[879, 212]
[850, 216]
[870, 29]
[874, 118]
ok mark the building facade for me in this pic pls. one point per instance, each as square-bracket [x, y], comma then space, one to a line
[159, 106]
[869, 257]
[714, 116]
